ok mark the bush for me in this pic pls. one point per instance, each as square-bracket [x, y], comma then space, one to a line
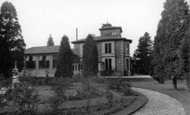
[118, 83]
[42, 80]
[23, 98]
[3, 101]
[57, 100]
[120, 86]
[107, 72]
[5, 82]
[109, 97]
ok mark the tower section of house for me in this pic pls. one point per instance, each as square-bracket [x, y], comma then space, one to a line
[113, 51]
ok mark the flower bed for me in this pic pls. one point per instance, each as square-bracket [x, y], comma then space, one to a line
[76, 97]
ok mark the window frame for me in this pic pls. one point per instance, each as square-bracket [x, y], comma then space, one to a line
[108, 48]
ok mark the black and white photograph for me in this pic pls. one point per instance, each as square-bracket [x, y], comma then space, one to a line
[94, 57]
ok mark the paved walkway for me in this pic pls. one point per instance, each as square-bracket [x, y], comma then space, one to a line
[159, 104]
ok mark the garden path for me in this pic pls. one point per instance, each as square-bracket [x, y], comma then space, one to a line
[182, 94]
[159, 104]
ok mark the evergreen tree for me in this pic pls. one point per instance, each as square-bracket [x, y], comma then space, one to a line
[171, 31]
[65, 59]
[143, 55]
[185, 57]
[11, 41]
[90, 57]
[50, 41]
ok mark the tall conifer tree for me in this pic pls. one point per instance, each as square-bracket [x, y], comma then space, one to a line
[171, 31]
[185, 59]
[90, 57]
[11, 41]
[65, 59]
[143, 55]
[50, 41]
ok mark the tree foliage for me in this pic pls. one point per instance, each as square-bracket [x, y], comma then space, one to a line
[143, 55]
[11, 41]
[65, 59]
[185, 58]
[171, 31]
[50, 41]
[90, 57]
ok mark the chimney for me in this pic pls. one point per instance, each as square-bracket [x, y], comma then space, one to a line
[76, 33]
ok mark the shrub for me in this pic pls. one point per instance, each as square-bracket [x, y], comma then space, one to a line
[109, 97]
[120, 86]
[3, 101]
[5, 82]
[39, 80]
[24, 99]
[57, 100]
[107, 72]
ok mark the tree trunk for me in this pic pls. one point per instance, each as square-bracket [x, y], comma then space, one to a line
[161, 80]
[188, 81]
[174, 81]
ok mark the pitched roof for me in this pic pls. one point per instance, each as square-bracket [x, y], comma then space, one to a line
[100, 39]
[48, 50]
[42, 50]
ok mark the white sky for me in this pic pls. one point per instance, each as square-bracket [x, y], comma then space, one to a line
[39, 18]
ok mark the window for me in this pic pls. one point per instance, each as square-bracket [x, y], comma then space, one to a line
[76, 67]
[44, 63]
[80, 67]
[108, 48]
[30, 64]
[114, 33]
[73, 67]
[108, 64]
[54, 63]
[127, 48]
[127, 64]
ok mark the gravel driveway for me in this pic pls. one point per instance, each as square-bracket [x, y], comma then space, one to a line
[159, 104]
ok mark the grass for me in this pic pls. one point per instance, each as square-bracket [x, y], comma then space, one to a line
[182, 94]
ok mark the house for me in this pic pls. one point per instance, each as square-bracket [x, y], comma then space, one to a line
[113, 51]
[113, 55]
[41, 61]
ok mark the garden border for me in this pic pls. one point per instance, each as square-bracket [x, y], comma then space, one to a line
[140, 102]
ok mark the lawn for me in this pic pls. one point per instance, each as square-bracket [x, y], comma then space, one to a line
[181, 94]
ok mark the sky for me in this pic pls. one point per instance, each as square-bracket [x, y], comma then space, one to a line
[40, 18]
